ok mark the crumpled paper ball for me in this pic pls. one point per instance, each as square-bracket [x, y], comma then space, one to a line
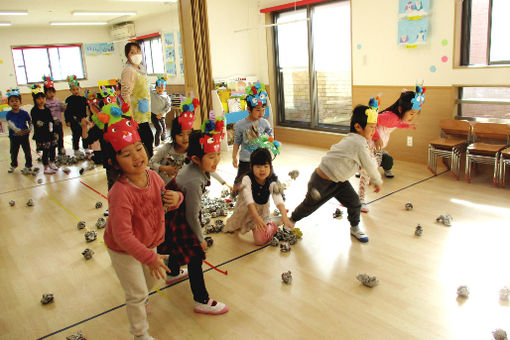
[76, 336]
[81, 225]
[338, 213]
[409, 206]
[463, 292]
[284, 247]
[504, 293]
[445, 219]
[368, 280]
[293, 174]
[315, 194]
[90, 236]
[275, 242]
[287, 277]
[499, 334]
[47, 298]
[419, 230]
[30, 203]
[87, 253]
[209, 240]
[12, 203]
[99, 204]
[101, 223]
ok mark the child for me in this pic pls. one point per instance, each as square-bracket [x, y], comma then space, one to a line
[136, 223]
[252, 207]
[76, 110]
[57, 109]
[249, 129]
[95, 146]
[331, 178]
[184, 241]
[160, 105]
[43, 130]
[399, 115]
[19, 128]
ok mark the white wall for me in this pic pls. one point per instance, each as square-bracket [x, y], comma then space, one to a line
[237, 54]
[97, 67]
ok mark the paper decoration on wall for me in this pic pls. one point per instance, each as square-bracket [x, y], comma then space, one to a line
[169, 39]
[99, 49]
[413, 32]
[411, 9]
[170, 54]
[182, 69]
[170, 68]
[433, 68]
[358, 46]
[444, 42]
[444, 59]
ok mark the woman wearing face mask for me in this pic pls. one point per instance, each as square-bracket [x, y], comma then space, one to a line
[135, 91]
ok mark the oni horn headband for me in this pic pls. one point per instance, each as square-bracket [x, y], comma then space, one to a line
[187, 116]
[266, 142]
[12, 92]
[256, 94]
[72, 80]
[161, 81]
[373, 109]
[213, 133]
[36, 88]
[419, 97]
[48, 82]
[113, 110]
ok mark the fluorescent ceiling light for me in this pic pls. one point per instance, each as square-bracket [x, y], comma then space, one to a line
[102, 13]
[5, 23]
[146, 1]
[77, 23]
[13, 12]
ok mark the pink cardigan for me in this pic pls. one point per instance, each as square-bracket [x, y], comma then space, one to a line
[136, 223]
[386, 123]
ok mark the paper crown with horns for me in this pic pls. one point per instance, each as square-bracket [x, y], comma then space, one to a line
[419, 97]
[373, 109]
[213, 133]
[187, 116]
[266, 142]
[72, 81]
[48, 82]
[13, 91]
[256, 94]
[161, 81]
[122, 134]
[35, 89]
[113, 110]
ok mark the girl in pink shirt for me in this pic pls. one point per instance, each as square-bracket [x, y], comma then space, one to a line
[136, 225]
[398, 116]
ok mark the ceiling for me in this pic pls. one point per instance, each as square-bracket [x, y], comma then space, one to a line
[40, 13]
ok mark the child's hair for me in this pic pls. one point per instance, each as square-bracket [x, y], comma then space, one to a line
[359, 116]
[261, 156]
[37, 95]
[49, 89]
[176, 129]
[128, 46]
[110, 155]
[250, 106]
[14, 96]
[194, 147]
[404, 102]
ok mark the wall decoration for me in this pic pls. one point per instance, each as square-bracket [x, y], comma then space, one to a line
[433, 68]
[413, 32]
[98, 49]
[444, 59]
[358, 46]
[170, 68]
[444, 42]
[169, 39]
[413, 8]
[170, 54]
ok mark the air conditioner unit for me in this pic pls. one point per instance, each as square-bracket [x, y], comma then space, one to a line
[123, 31]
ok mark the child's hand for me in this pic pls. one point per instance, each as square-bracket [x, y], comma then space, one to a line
[377, 188]
[158, 268]
[159, 116]
[169, 169]
[287, 222]
[204, 246]
[84, 122]
[413, 126]
[234, 162]
[229, 187]
[170, 198]
[68, 124]
[260, 224]
[378, 144]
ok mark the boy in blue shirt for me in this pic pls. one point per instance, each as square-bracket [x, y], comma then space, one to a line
[19, 129]
[249, 129]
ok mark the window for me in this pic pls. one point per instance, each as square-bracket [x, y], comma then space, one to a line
[485, 29]
[31, 63]
[313, 63]
[153, 54]
[484, 102]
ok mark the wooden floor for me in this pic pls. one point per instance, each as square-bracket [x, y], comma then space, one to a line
[40, 251]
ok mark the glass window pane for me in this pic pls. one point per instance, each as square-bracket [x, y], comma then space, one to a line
[19, 66]
[486, 110]
[332, 60]
[36, 63]
[500, 26]
[70, 62]
[146, 45]
[293, 61]
[56, 70]
[157, 55]
[479, 32]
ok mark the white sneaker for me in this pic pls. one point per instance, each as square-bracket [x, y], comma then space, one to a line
[388, 174]
[364, 208]
[11, 169]
[183, 274]
[144, 337]
[53, 166]
[211, 307]
[48, 170]
[359, 234]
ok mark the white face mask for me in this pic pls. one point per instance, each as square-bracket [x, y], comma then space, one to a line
[136, 59]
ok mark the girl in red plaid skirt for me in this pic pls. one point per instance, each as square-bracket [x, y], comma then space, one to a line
[184, 242]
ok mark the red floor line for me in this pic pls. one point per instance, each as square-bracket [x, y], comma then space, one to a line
[91, 188]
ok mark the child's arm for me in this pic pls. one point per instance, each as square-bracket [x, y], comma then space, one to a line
[128, 79]
[280, 204]
[220, 179]
[67, 114]
[192, 198]
[248, 196]
[167, 107]
[235, 150]
[370, 165]
[238, 140]
[268, 131]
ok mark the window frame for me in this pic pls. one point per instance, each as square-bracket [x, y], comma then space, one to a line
[313, 124]
[465, 38]
[46, 47]
[460, 101]
[149, 39]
